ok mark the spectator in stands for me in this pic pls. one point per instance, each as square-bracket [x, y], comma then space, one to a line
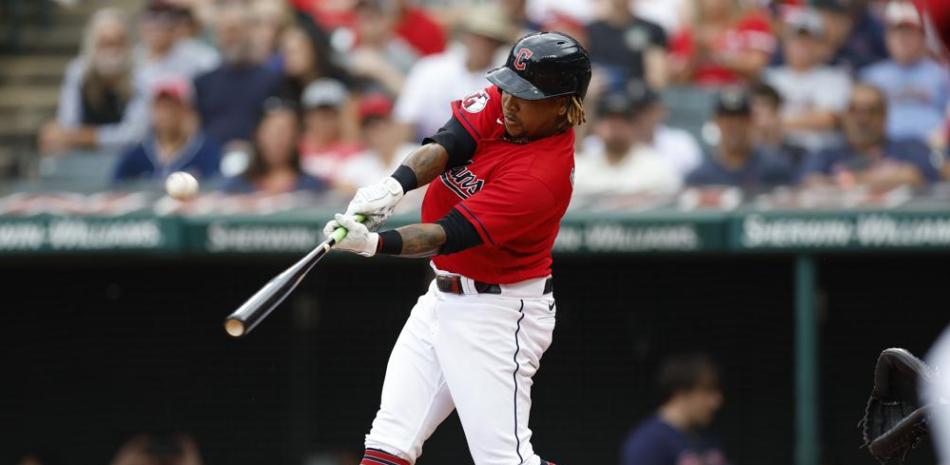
[434, 81]
[100, 104]
[623, 165]
[161, 53]
[677, 146]
[813, 94]
[270, 19]
[175, 144]
[39, 457]
[419, 29]
[624, 46]
[869, 157]
[275, 163]
[230, 98]
[917, 87]
[690, 395]
[190, 43]
[736, 161]
[854, 36]
[768, 132]
[155, 449]
[323, 147]
[385, 146]
[724, 45]
[305, 59]
[517, 13]
[381, 56]
[669, 14]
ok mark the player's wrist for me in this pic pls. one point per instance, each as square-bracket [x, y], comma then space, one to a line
[389, 243]
[405, 178]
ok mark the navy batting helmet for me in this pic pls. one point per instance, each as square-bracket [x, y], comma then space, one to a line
[544, 65]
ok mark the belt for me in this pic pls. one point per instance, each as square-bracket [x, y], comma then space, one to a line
[452, 284]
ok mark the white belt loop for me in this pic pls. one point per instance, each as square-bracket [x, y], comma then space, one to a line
[468, 285]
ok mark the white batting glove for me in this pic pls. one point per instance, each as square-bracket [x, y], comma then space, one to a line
[376, 202]
[358, 237]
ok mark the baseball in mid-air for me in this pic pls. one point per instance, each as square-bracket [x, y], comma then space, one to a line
[181, 185]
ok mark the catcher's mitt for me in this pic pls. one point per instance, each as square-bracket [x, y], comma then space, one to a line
[894, 421]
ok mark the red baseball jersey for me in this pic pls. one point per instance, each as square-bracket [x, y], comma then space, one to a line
[513, 194]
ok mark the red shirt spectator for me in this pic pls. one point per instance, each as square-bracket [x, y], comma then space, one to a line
[414, 25]
[421, 31]
[714, 55]
[329, 14]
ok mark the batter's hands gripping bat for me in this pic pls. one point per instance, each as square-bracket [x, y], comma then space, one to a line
[264, 301]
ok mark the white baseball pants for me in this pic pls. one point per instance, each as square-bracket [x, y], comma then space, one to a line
[475, 353]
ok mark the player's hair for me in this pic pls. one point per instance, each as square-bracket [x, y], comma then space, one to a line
[685, 372]
[575, 112]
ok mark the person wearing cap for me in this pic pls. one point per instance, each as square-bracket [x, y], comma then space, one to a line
[869, 157]
[175, 142]
[854, 36]
[460, 70]
[736, 161]
[625, 46]
[768, 132]
[385, 147]
[323, 147]
[101, 104]
[230, 98]
[814, 94]
[623, 165]
[676, 146]
[917, 87]
[274, 167]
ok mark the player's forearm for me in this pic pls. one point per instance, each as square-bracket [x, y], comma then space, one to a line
[416, 240]
[427, 162]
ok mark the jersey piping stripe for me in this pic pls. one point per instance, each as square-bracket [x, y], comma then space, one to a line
[470, 127]
[514, 377]
[482, 226]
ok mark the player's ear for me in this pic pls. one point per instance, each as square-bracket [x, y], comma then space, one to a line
[564, 102]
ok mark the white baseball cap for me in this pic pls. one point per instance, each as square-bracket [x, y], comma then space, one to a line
[903, 13]
[324, 93]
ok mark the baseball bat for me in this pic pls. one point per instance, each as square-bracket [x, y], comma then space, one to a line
[264, 301]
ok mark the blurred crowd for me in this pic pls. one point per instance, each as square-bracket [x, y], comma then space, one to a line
[277, 96]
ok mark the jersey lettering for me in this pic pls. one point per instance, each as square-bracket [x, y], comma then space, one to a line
[462, 182]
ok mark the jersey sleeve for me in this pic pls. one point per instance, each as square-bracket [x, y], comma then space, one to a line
[479, 113]
[508, 206]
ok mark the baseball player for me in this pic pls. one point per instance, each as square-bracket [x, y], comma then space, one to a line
[500, 179]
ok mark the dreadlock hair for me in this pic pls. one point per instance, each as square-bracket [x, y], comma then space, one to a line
[575, 112]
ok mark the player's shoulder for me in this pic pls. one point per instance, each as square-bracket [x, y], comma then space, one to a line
[480, 113]
[485, 101]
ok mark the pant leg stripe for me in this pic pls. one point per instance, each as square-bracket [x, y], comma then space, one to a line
[514, 377]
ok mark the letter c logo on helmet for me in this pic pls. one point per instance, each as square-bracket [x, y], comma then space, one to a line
[521, 59]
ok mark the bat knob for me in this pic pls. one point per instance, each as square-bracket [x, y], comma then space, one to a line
[234, 328]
